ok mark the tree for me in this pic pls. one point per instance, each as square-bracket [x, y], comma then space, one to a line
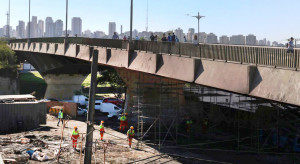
[7, 58]
[110, 76]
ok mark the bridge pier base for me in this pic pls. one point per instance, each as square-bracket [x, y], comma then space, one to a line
[63, 86]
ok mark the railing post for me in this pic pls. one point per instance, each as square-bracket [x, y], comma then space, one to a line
[226, 53]
[256, 56]
[179, 49]
[295, 59]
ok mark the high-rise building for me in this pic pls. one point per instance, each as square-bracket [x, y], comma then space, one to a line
[251, 40]
[58, 28]
[180, 35]
[21, 30]
[99, 34]
[49, 27]
[190, 34]
[87, 34]
[111, 29]
[224, 39]
[202, 37]
[40, 28]
[1, 32]
[33, 27]
[212, 38]
[237, 40]
[76, 26]
[261, 43]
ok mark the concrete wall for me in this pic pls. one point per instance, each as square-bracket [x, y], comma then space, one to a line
[21, 116]
[62, 86]
[8, 86]
[69, 108]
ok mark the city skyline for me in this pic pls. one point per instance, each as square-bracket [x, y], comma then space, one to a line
[221, 18]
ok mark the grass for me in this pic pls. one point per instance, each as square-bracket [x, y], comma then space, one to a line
[87, 81]
[34, 77]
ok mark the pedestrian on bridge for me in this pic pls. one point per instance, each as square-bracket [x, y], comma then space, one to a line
[115, 36]
[164, 38]
[130, 135]
[60, 117]
[195, 40]
[102, 131]
[291, 46]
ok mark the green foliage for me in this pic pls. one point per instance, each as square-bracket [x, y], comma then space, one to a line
[7, 57]
[110, 76]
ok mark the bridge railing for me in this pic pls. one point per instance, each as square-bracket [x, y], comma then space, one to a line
[268, 56]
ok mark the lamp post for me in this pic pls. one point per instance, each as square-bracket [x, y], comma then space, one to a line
[131, 13]
[66, 19]
[198, 17]
[29, 23]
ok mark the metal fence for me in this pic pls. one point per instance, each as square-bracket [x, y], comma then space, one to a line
[269, 56]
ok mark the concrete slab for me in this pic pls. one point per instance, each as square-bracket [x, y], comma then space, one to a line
[277, 84]
[71, 51]
[102, 55]
[142, 61]
[84, 52]
[118, 58]
[51, 48]
[175, 67]
[44, 48]
[60, 49]
[227, 76]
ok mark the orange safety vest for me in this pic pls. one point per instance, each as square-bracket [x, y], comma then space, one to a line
[101, 128]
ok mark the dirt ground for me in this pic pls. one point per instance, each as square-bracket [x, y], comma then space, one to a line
[47, 139]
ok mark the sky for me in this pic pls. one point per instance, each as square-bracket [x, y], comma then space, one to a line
[275, 20]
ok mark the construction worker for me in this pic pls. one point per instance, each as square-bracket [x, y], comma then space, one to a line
[188, 124]
[102, 130]
[60, 117]
[123, 122]
[74, 137]
[130, 135]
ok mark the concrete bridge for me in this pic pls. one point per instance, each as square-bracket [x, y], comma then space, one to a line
[264, 72]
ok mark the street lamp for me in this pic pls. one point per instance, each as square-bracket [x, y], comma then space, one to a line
[29, 22]
[198, 17]
[66, 19]
[131, 13]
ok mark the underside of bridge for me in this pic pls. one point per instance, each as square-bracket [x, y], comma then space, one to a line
[63, 75]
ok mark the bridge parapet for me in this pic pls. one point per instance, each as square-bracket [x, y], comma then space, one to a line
[267, 56]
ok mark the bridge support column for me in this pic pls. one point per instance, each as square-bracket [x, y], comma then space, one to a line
[63, 86]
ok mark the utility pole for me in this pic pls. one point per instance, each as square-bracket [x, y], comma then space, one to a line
[131, 15]
[29, 22]
[91, 110]
[66, 19]
[198, 17]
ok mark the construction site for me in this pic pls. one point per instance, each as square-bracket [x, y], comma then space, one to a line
[225, 128]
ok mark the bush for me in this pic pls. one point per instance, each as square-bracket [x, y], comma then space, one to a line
[7, 58]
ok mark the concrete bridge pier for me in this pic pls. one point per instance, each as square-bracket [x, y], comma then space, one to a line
[63, 86]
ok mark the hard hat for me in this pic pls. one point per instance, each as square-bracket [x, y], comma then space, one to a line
[102, 122]
[75, 127]
[131, 127]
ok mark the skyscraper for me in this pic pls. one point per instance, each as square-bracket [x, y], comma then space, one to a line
[237, 40]
[251, 39]
[179, 34]
[111, 29]
[224, 39]
[49, 27]
[212, 38]
[76, 26]
[190, 34]
[58, 28]
[33, 27]
[41, 28]
[21, 30]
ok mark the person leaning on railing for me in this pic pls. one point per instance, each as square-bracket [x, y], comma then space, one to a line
[195, 40]
[291, 46]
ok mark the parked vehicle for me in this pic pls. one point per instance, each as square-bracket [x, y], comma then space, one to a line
[111, 109]
[115, 101]
[81, 112]
[81, 99]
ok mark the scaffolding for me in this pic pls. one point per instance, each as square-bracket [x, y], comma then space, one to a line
[235, 122]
